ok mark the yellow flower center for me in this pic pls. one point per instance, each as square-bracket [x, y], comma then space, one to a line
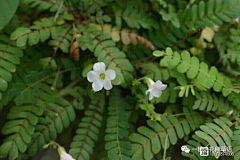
[102, 76]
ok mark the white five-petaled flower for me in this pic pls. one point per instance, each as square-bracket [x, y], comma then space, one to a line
[64, 155]
[155, 89]
[101, 78]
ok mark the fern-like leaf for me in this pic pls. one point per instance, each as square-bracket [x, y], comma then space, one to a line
[125, 35]
[150, 141]
[57, 116]
[29, 62]
[23, 119]
[236, 143]
[20, 128]
[87, 133]
[40, 31]
[63, 39]
[210, 13]
[200, 15]
[9, 59]
[209, 78]
[235, 99]
[215, 134]
[134, 18]
[43, 5]
[76, 95]
[211, 102]
[116, 131]
[25, 91]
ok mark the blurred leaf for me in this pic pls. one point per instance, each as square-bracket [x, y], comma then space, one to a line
[87, 69]
[7, 10]
[48, 62]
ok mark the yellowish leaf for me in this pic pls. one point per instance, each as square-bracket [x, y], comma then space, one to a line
[115, 34]
[208, 34]
[133, 37]
[125, 36]
[107, 29]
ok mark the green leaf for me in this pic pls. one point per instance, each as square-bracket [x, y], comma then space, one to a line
[19, 32]
[116, 135]
[40, 31]
[7, 10]
[87, 69]
[134, 17]
[190, 66]
[158, 53]
[183, 67]
[88, 129]
[146, 142]
[48, 62]
[214, 134]
[5, 148]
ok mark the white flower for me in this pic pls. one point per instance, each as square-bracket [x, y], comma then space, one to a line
[100, 77]
[237, 20]
[155, 89]
[63, 154]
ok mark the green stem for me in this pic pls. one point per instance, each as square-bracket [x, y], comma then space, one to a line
[165, 148]
[70, 85]
[212, 115]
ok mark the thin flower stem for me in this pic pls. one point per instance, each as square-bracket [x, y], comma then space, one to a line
[165, 147]
[72, 84]
[181, 114]
[53, 87]
[58, 11]
[143, 78]
[212, 115]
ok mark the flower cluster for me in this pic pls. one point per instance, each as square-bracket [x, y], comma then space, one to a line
[100, 78]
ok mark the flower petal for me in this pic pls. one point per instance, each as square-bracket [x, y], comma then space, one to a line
[160, 85]
[156, 92]
[92, 76]
[65, 156]
[99, 67]
[151, 96]
[111, 74]
[97, 86]
[107, 84]
[149, 90]
[164, 86]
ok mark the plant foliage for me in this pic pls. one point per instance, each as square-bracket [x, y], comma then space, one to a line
[177, 83]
